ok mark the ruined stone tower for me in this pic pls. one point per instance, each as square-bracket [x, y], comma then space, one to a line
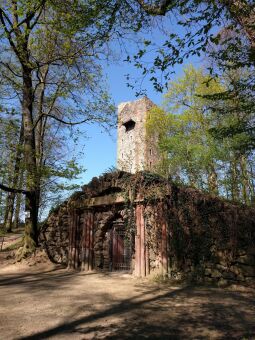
[136, 152]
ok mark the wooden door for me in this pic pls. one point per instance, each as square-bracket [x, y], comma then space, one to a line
[120, 249]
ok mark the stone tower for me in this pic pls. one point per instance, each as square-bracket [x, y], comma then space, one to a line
[135, 151]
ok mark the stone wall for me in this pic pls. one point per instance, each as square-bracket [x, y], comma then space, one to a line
[210, 239]
[54, 235]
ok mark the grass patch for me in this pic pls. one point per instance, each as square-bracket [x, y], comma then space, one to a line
[14, 246]
[2, 232]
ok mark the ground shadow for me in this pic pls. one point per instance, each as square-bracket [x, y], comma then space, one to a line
[170, 315]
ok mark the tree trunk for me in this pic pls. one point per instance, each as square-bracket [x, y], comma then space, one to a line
[18, 204]
[31, 210]
[12, 195]
[9, 211]
[9, 197]
[1, 191]
[212, 180]
[234, 181]
[40, 133]
[246, 189]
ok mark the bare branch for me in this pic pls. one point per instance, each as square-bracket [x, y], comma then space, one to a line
[13, 190]
[38, 16]
[2, 13]
[59, 120]
[10, 69]
[8, 33]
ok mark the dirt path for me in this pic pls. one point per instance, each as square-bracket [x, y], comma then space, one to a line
[57, 304]
[9, 239]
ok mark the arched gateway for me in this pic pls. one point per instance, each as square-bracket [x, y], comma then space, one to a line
[99, 239]
[103, 228]
[107, 232]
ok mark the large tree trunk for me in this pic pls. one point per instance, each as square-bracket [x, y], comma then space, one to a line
[31, 205]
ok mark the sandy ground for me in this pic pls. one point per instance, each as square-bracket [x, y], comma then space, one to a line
[43, 301]
[6, 241]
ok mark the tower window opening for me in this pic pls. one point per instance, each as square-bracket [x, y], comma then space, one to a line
[150, 152]
[129, 125]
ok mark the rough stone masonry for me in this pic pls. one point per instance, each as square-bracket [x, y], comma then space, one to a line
[135, 150]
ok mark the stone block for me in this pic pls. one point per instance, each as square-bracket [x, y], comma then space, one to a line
[235, 269]
[241, 252]
[228, 276]
[221, 267]
[208, 271]
[246, 259]
[247, 270]
[224, 262]
[209, 279]
[222, 283]
[242, 270]
[251, 251]
[214, 273]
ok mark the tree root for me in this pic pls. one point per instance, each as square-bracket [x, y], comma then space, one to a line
[26, 250]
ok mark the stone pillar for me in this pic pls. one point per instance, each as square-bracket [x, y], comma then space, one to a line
[138, 241]
[87, 241]
[164, 239]
[76, 240]
[72, 253]
[70, 220]
[143, 257]
[84, 240]
[91, 240]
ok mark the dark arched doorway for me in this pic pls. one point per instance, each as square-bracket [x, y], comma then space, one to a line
[120, 247]
[116, 248]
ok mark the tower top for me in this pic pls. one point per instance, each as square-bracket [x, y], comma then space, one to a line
[135, 108]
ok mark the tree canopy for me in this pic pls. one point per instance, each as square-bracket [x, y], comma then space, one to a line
[190, 152]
